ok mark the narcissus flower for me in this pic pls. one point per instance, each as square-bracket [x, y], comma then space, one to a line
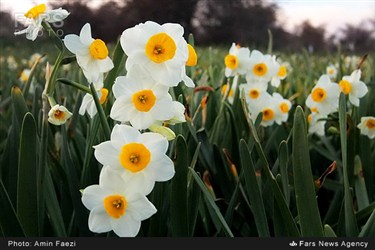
[283, 107]
[352, 86]
[25, 75]
[160, 49]
[367, 126]
[88, 103]
[116, 204]
[237, 61]
[316, 123]
[324, 96]
[281, 73]
[225, 89]
[91, 54]
[255, 93]
[192, 58]
[58, 115]
[36, 15]
[331, 71]
[140, 100]
[142, 156]
[261, 67]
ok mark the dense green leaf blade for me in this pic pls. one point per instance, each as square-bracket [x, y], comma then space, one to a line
[351, 228]
[307, 205]
[360, 185]
[283, 161]
[178, 211]
[253, 191]
[369, 228]
[27, 196]
[19, 104]
[212, 205]
[328, 231]
[9, 221]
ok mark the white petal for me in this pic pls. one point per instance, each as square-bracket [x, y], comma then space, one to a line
[105, 65]
[361, 89]
[141, 182]
[85, 35]
[123, 109]
[163, 168]
[85, 102]
[173, 29]
[126, 226]
[93, 196]
[123, 134]
[99, 221]
[56, 15]
[140, 207]
[106, 154]
[354, 100]
[142, 120]
[156, 143]
[74, 45]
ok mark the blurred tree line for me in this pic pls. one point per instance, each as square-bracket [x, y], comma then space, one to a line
[219, 22]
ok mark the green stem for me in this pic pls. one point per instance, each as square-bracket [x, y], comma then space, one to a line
[74, 84]
[103, 120]
[58, 42]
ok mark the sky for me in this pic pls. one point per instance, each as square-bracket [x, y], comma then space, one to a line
[332, 14]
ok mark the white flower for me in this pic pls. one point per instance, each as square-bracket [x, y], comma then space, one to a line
[91, 54]
[324, 96]
[88, 103]
[331, 71]
[160, 49]
[367, 126]
[140, 100]
[283, 107]
[142, 156]
[58, 115]
[268, 106]
[261, 67]
[316, 123]
[255, 93]
[237, 61]
[352, 86]
[25, 75]
[36, 15]
[224, 90]
[116, 204]
[281, 73]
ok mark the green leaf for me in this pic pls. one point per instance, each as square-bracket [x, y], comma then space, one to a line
[19, 104]
[368, 229]
[9, 221]
[351, 228]
[75, 85]
[102, 116]
[360, 185]
[212, 206]
[328, 231]
[307, 205]
[193, 208]
[253, 191]
[117, 57]
[27, 195]
[283, 161]
[178, 211]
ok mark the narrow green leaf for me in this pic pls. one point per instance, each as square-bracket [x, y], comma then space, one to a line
[253, 191]
[75, 85]
[351, 228]
[178, 211]
[193, 208]
[307, 205]
[27, 196]
[360, 185]
[212, 205]
[283, 161]
[9, 221]
[328, 231]
[19, 104]
[102, 116]
[368, 229]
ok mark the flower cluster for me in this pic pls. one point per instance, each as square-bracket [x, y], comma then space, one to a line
[324, 98]
[259, 70]
[133, 161]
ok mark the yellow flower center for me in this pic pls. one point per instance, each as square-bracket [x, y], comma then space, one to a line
[331, 71]
[104, 96]
[260, 69]
[193, 58]
[370, 123]
[134, 157]
[115, 205]
[160, 48]
[315, 110]
[224, 90]
[319, 94]
[231, 61]
[144, 100]
[345, 86]
[36, 11]
[98, 49]
[284, 107]
[309, 118]
[268, 114]
[254, 93]
[59, 115]
[282, 71]
[24, 77]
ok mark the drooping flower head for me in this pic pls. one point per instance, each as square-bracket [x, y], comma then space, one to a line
[367, 126]
[88, 103]
[353, 87]
[36, 15]
[324, 96]
[140, 156]
[116, 204]
[140, 100]
[160, 49]
[91, 54]
[237, 61]
[58, 115]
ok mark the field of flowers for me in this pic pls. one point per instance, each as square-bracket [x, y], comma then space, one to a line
[155, 136]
